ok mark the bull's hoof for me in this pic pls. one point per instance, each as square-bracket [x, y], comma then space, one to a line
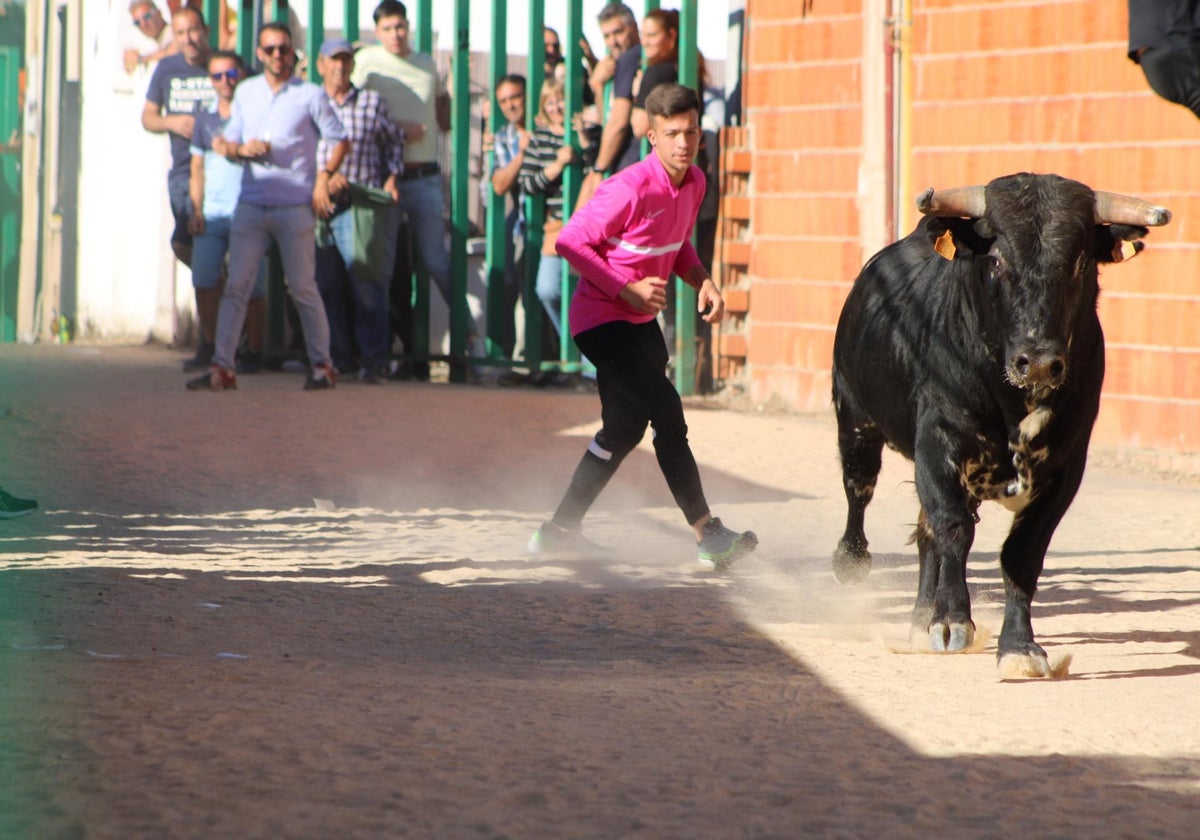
[1031, 664]
[851, 566]
[949, 637]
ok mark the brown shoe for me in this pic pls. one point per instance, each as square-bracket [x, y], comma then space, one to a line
[217, 379]
[322, 378]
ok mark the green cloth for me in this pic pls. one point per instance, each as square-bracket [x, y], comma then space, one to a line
[373, 244]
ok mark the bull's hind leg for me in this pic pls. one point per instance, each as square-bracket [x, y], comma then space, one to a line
[861, 448]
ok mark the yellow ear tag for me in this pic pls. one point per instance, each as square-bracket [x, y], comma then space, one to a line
[1123, 251]
[944, 245]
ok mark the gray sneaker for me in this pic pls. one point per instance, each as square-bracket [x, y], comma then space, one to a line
[721, 546]
[555, 539]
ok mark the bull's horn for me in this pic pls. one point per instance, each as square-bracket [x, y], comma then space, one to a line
[1116, 209]
[962, 201]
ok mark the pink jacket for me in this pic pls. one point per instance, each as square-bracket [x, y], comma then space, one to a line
[638, 224]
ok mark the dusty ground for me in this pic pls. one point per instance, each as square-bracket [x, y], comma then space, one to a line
[192, 646]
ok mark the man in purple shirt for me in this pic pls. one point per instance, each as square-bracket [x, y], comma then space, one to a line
[274, 128]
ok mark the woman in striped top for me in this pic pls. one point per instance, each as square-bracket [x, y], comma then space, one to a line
[546, 157]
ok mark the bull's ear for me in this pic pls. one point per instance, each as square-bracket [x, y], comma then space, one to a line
[944, 245]
[1119, 243]
[952, 237]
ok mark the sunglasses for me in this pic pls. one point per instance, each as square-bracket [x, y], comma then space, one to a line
[226, 76]
[146, 18]
[271, 49]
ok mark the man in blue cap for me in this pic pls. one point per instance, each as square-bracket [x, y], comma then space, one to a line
[375, 161]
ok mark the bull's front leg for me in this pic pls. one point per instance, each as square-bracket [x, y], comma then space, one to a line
[941, 618]
[1021, 560]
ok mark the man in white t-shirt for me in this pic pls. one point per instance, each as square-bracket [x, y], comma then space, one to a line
[419, 104]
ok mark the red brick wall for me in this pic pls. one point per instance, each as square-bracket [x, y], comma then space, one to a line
[999, 87]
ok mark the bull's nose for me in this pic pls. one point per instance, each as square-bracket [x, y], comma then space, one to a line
[1048, 369]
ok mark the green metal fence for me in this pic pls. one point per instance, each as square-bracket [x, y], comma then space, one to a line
[251, 16]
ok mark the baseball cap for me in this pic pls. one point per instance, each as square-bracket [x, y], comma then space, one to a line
[336, 46]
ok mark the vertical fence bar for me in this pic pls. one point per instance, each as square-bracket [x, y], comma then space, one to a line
[685, 295]
[247, 30]
[212, 16]
[535, 344]
[572, 178]
[496, 256]
[350, 20]
[316, 34]
[424, 31]
[460, 136]
[422, 43]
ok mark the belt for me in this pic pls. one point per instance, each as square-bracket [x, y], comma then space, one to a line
[420, 170]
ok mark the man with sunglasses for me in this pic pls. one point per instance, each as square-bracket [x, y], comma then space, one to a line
[179, 89]
[274, 126]
[215, 186]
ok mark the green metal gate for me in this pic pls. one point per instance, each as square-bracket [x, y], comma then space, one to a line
[10, 195]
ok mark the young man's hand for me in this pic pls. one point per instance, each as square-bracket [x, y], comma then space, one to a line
[708, 298]
[648, 295]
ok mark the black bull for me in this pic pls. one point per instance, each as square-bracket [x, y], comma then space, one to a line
[973, 347]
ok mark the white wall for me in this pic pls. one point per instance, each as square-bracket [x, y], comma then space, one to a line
[127, 274]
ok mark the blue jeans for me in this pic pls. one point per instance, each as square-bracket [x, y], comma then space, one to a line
[369, 299]
[549, 289]
[293, 228]
[422, 201]
[208, 257]
[181, 209]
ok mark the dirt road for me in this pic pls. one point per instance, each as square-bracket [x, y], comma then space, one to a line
[273, 613]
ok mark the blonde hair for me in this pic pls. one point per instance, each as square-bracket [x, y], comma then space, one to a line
[550, 87]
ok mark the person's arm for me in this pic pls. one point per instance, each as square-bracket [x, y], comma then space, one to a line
[196, 193]
[589, 230]
[616, 125]
[321, 202]
[391, 149]
[155, 121]
[441, 106]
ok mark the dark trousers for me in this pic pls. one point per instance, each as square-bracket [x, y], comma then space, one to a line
[1174, 75]
[631, 362]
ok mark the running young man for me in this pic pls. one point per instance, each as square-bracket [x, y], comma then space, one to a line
[624, 243]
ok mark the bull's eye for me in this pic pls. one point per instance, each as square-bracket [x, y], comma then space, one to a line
[994, 265]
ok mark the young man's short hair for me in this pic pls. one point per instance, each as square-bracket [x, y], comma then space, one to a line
[390, 8]
[228, 55]
[671, 100]
[275, 26]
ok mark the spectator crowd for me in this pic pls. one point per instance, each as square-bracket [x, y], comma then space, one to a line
[343, 179]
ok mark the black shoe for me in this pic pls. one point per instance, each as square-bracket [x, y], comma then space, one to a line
[555, 539]
[249, 362]
[201, 360]
[373, 374]
[721, 546]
